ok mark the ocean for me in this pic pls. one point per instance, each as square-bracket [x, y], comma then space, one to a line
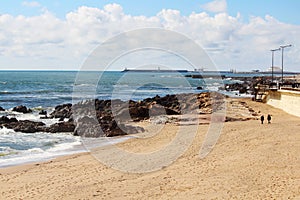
[46, 89]
[51, 88]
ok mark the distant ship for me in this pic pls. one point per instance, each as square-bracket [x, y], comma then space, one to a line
[158, 70]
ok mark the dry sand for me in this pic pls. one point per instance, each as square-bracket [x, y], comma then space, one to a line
[249, 161]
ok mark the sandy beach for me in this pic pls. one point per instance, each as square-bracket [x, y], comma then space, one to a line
[249, 161]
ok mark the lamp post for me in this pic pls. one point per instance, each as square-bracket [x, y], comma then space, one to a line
[282, 49]
[273, 50]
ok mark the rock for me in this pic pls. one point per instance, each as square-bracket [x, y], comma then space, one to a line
[104, 125]
[24, 126]
[243, 90]
[88, 127]
[22, 109]
[62, 127]
[113, 129]
[62, 111]
[5, 120]
[27, 126]
[139, 113]
[94, 118]
[157, 110]
[43, 112]
[2, 109]
[121, 129]
[159, 119]
[172, 112]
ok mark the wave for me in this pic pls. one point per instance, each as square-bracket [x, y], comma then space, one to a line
[22, 148]
[83, 85]
[36, 91]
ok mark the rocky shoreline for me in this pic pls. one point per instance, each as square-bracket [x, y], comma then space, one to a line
[95, 118]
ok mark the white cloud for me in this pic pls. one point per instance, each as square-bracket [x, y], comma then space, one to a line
[216, 6]
[32, 4]
[48, 41]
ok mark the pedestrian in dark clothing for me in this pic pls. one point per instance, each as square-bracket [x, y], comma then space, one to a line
[262, 118]
[269, 118]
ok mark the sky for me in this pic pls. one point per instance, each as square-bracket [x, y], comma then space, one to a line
[60, 35]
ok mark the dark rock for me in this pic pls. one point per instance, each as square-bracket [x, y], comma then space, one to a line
[24, 126]
[62, 111]
[88, 127]
[94, 118]
[22, 109]
[62, 127]
[172, 112]
[157, 110]
[5, 120]
[243, 90]
[27, 126]
[139, 113]
[2, 109]
[43, 112]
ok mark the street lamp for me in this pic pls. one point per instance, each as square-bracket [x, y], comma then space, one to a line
[282, 48]
[273, 50]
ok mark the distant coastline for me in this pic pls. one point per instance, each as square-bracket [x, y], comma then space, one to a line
[155, 70]
[208, 72]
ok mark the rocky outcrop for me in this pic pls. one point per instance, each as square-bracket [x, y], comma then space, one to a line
[101, 122]
[24, 126]
[62, 127]
[27, 126]
[6, 120]
[62, 111]
[2, 109]
[88, 127]
[94, 118]
[22, 109]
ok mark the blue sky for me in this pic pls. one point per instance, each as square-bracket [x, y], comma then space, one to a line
[60, 34]
[283, 10]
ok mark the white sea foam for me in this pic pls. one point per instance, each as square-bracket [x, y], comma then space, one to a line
[41, 147]
[19, 148]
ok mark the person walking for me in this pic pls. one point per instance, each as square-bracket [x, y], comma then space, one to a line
[262, 118]
[269, 118]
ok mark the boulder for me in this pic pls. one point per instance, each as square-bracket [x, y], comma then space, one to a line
[26, 126]
[139, 113]
[22, 109]
[62, 127]
[6, 120]
[43, 112]
[88, 127]
[2, 109]
[62, 111]
[121, 129]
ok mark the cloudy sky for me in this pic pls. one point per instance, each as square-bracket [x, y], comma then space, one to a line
[52, 34]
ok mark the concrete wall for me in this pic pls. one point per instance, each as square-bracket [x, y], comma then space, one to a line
[289, 101]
